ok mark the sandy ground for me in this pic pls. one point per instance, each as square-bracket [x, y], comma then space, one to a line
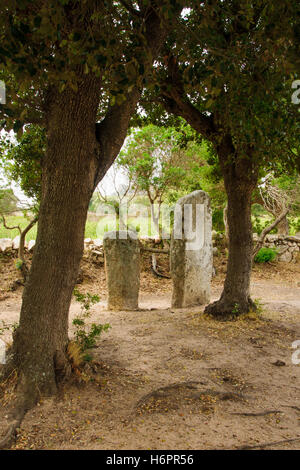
[174, 379]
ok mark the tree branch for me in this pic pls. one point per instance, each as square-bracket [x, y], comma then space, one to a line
[24, 269]
[181, 107]
[267, 230]
[112, 131]
[22, 238]
[10, 228]
[176, 102]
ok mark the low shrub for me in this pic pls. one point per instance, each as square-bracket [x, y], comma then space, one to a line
[265, 255]
[86, 335]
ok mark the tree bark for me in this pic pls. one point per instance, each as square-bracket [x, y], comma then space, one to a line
[240, 179]
[79, 152]
[69, 169]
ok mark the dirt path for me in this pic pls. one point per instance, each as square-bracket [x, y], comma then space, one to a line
[173, 379]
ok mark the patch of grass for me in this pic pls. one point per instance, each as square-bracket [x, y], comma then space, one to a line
[15, 220]
[93, 229]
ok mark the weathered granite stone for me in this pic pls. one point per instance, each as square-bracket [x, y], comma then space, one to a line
[286, 257]
[122, 266]
[191, 256]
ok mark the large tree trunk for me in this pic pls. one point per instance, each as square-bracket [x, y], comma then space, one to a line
[69, 170]
[240, 180]
[79, 152]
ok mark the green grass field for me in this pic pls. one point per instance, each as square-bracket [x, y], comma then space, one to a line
[12, 221]
[93, 229]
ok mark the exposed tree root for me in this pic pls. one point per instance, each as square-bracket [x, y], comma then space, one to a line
[26, 398]
[165, 391]
[162, 391]
[294, 407]
[11, 433]
[154, 268]
[224, 310]
[267, 444]
[27, 393]
[260, 413]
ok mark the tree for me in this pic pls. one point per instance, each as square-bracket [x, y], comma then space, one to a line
[23, 232]
[152, 159]
[76, 69]
[21, 160]
[230, 78]
[8, 201]
[123, 194]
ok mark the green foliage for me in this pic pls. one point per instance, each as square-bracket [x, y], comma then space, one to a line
[259, 306]
[265, 255]
[19, 264]
[8, 201]
[289, 183]
[21, 160]
[53, 44]
[22, 221]
[217, 220]
[259, 224]
[169, 162]
[294, 224]
[151, 157]
[86, 335]
[230, 75]
[236, 309]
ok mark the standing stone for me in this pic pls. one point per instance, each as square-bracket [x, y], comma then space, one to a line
[191, 251]
[122, 266]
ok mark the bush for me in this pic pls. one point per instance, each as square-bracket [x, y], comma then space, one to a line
[294, 225]
[258, 225]
[217, 220]
[265, 255]
[86, 335]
